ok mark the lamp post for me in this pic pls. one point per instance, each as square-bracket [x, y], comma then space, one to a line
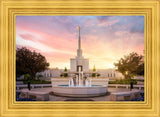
[29, 85]
[131, 83]
[126, 74]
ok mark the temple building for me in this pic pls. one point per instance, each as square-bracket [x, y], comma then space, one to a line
[79, 62]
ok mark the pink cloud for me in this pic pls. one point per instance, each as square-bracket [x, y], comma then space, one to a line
[27, 36]
[64, 19]
[102, 49]
[121, 33]
[89, 22]
[56, 42]
[107, 23]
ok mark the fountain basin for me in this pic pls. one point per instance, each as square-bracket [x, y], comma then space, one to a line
[80, 91]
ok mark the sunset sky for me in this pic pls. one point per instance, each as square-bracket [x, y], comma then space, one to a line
[104, 39]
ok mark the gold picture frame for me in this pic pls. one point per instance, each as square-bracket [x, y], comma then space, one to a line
[9, 9]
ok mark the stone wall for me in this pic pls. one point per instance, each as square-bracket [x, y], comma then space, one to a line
[112, 74]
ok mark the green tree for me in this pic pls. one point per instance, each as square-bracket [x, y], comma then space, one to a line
[94, 68]
[65, 69]
[65, 74]
[93, 74]
[131, 65]
[39, 76]
[28, 62]
[26, 76]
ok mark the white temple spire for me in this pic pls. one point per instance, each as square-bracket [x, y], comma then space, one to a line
[79, 63]
[79, 42]
[79, 50]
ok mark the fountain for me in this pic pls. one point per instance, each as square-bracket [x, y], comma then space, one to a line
[80, 88]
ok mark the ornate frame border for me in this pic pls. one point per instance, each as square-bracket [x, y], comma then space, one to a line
[9, 9]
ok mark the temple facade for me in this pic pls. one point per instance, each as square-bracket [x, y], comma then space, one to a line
[79, 62]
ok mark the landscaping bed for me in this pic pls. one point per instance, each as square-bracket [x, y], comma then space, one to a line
[36, 82]
[123, 81]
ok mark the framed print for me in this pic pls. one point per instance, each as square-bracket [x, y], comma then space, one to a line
[80, 58]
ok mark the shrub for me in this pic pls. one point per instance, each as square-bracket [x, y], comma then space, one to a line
[93, 74]
[65, 75]
[39, 76]
[98, 75]
[37, 82]
[26, 77]
[123, 81]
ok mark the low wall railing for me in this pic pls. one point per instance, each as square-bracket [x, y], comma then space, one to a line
[126, 86]
[50, 85]
[33, 86]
